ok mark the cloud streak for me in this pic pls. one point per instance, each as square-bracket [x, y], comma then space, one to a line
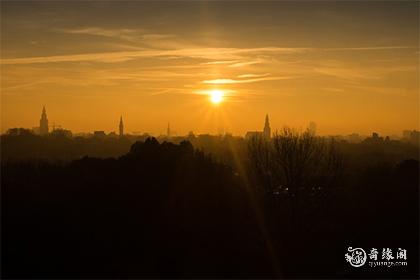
[245, 81]
[235, 56]
[126, 34]
[121, 33]
[253, 75]
[377, 48]
[203, 53]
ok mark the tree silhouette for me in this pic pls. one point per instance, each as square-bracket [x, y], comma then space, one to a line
[296, 165]
[170, 210]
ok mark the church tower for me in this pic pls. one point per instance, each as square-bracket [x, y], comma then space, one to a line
[168, 131]
[267, 129]
[121, 127]
[43, 123]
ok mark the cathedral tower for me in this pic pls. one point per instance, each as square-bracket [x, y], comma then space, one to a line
[267, 129]
[121, 127]
[168, 131]
[43, 123]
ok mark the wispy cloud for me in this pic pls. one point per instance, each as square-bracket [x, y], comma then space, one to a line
[126, 34]
[353, 73]
[130, 36]
[203, 53]
[235, 56]
[157, 36]
[384, 90]
[371, 48]
[226, 92]
[245, 63]
[244, 81]
[220, 62]
[253, 75]
[333, 89]
[350, 74]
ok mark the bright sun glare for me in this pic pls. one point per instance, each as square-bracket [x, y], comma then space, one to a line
[216, 96]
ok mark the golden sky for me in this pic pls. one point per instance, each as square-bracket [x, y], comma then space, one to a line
[348, 66]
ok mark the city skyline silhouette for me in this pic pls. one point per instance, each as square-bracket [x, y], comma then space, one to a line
[208, 65]
[209, 139]
[43, 129]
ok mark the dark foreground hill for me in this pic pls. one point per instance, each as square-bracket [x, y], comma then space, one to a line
[168, 211]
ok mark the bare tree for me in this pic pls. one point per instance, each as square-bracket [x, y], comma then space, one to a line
[260, 152]
[295, 164]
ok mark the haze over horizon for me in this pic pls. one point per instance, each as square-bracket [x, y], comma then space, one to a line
[348, 66]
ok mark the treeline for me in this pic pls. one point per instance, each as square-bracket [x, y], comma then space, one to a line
[22, 144]
[161, 210]
[284, 207]
[319, 194]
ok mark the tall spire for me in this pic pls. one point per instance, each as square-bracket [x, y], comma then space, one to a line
[168, 131]
[121, 127]
[43, 122]
[267, 129]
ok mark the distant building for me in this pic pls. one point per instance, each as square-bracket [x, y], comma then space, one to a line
[99, 134]
[112, 134]
[253, 134]
[375, 139]
[406, 134]
[35, 130]
[121, 127]
[266, 133]
[43, 123]
[267, 129]
[168, 131]
[62, 132]
[375, 135]
[412, 136]
[312, 128]
[354, 138]
[191, 136]
[19, 131]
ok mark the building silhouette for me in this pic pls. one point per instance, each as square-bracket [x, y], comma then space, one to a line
[168, 131]
[412, 136]
[43, 123]
[312, 128]
[266, 133]
[60, 132]
[267, 129]
[121, 127]
[99, 134]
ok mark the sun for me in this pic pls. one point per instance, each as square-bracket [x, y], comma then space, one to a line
[216, 96]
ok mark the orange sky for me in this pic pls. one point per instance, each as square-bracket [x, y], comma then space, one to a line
[348, 66]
